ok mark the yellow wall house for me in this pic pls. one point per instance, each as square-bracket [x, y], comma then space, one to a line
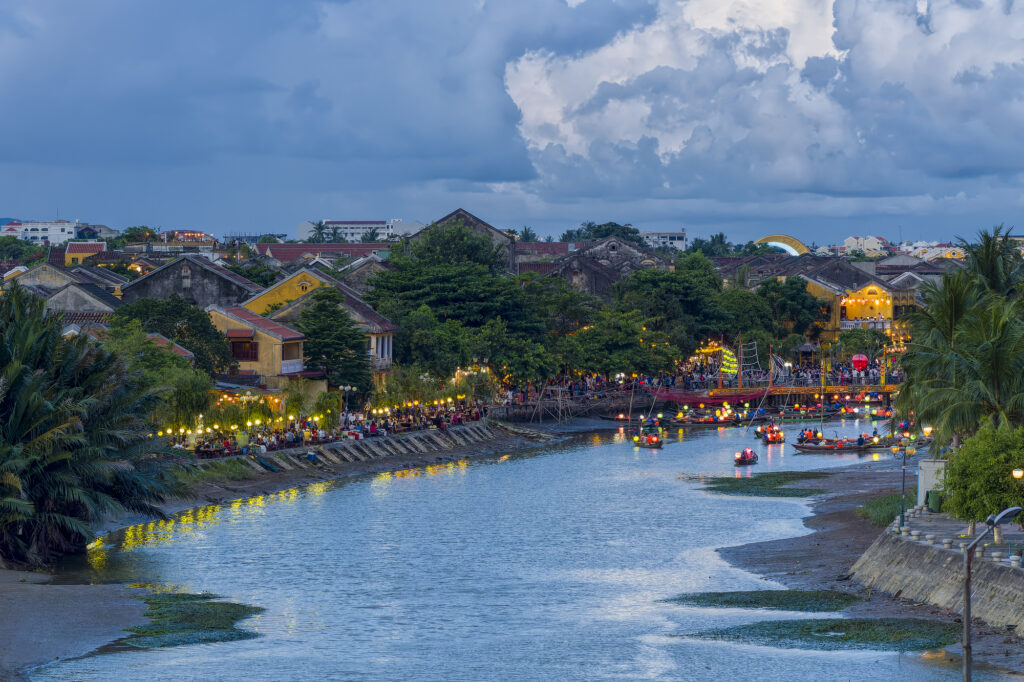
[260, 346]
[284, 300]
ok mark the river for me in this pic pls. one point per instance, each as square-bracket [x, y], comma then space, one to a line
[547, 564]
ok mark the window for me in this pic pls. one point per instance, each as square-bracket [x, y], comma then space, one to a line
[303, 287]
[245, 351]
[186, 277]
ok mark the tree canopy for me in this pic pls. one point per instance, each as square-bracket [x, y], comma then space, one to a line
[590, 231]
[333, 343]
[183, 323]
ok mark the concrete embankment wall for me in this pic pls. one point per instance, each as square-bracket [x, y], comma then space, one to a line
[339, 453]
[931, 574]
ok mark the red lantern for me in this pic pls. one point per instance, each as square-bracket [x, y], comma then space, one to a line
[860, 361]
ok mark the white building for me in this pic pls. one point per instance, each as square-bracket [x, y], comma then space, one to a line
[52, 232]
[870, 246]
[673, 240]
[353, 230]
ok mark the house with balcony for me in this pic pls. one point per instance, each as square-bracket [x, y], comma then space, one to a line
[260, 346]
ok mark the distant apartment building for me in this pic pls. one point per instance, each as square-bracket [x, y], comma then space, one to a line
[353, 230]
[673, 240]
[41, 232]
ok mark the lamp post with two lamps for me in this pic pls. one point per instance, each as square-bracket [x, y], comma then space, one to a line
[901, 452]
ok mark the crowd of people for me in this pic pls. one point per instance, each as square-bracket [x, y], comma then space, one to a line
[348, 425]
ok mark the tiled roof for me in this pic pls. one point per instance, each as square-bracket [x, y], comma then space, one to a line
[249, 286]
[55, 256]
[288, 252]
[542, 268]
[263, 324]
[101, 276]
[354, 301]
[91, 248]
[545, 248]
[164, 342]
[85, 318]
[99, 293]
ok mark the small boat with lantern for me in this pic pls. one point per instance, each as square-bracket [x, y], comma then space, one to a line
[649, 435]
[747, 456]
[773, 434]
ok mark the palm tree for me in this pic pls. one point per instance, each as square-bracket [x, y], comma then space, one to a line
[336, 236]
[73, 436]
[996, 260]
[318, 233]
[371, 235]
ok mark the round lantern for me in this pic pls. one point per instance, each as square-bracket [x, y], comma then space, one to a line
[860, 361]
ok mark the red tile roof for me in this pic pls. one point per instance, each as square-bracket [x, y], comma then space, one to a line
[259, 322]
[239, 333]
[289, 252]
[55, 256]
[90, 248]
[543, 248]
[164, 342]
[85, 318]
[542, 268]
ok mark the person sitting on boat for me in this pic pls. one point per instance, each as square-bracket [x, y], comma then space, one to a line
[860, 440]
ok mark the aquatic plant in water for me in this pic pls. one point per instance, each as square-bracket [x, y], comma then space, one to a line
[182, 618]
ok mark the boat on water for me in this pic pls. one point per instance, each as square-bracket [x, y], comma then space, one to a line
[772, 434]
[649, 435]
[748, 456]
[851, 445]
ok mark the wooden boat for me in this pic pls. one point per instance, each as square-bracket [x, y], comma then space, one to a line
[851, 446]
[748, 456]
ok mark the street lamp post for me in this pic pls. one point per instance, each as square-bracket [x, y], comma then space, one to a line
[901, 452]
[345, 390]
[991, 522]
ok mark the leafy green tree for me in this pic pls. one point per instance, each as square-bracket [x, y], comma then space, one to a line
[683, 304]
[513, 359]
[453, 244]
[333, 343]
[139, 233]
[591, 231]
[370, 236]
[336, 236]
[12, 248]
[621, 342]
[744, 312]
[793, 307]
[870, 342]
[562, 308]
[436, 347]
[184, 392]
[979, 480]
[183, 323]
[73, 436]
[267, 239]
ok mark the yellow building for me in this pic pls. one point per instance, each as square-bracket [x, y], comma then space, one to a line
[259, 346]
[75, 253]
[283, 302]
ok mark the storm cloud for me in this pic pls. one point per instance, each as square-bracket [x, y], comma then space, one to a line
[235, 117]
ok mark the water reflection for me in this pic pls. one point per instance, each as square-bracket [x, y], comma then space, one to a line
[543, 565]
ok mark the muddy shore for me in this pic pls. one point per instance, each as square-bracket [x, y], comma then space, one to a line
[822, 559]
[43, 622]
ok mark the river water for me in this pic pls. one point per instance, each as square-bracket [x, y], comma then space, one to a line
[547, 564]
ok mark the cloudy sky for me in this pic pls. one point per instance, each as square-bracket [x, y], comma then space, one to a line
[817, 118]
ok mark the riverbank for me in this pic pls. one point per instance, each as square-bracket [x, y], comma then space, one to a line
[822, 559]
[59, 621]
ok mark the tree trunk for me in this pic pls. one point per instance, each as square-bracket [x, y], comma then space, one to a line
[997, 535]
[970, 529]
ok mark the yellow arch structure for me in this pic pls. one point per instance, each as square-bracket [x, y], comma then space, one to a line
[793, 247]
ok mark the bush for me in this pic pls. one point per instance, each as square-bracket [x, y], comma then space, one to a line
[979, 478]
[882, 510]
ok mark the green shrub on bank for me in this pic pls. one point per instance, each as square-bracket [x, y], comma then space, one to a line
[882, 510]
[830, 634]
[979, 477]
[181, 618]
[784, 600]
[766, 485]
